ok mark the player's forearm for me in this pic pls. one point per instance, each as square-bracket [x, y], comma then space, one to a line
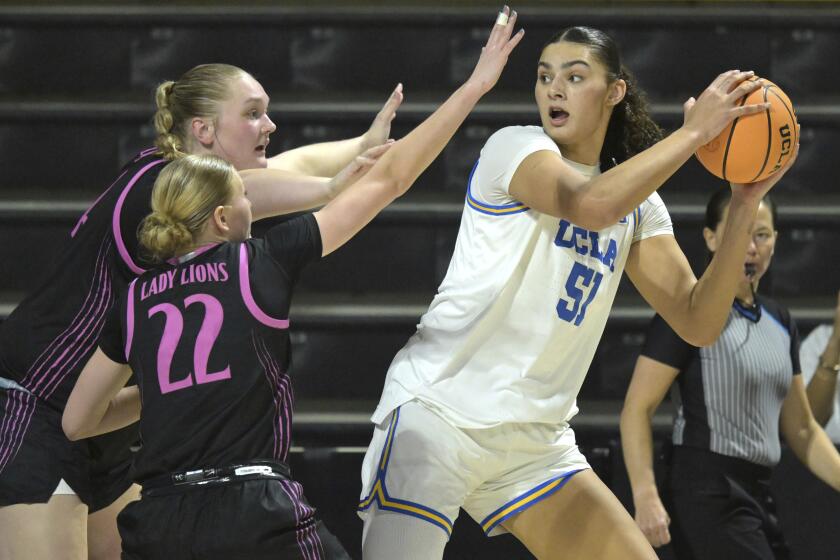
[121, 411]
[637, 448]
[817, 452]
[325, 159]
[274, 192]
[710, 299]
[821, 391]
[605, 199]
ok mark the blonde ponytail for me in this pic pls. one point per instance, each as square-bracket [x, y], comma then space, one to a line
[185, 195]
[168, 144]
[198, 93]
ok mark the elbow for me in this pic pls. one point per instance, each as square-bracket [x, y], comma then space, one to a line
[72, 430]
[698, 334]
[72, 433]
[633, 414]
[593, 214]
[701, 340]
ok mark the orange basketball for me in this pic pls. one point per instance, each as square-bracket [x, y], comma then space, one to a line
[754, 147]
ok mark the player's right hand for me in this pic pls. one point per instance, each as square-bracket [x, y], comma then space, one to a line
[653, 520]
[494, 55]
[719, 104]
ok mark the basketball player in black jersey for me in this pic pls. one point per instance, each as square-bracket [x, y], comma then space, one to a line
[48, 484]
[207, 337]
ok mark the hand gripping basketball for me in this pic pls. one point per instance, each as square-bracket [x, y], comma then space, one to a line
[754, 146]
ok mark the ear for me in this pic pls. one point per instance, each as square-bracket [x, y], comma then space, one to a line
[711, 239]
[202, 130]
[219, 221]
[618, 89]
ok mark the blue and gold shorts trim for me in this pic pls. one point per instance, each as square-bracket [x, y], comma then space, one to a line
[379, 492]
[526, 500]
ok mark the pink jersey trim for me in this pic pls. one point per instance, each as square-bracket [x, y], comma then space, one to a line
[116, 219]
[248, 298]
[129, 319]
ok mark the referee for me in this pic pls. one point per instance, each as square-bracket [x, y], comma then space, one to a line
[732, 397]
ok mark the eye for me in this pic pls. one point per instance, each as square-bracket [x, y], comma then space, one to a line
[574, 78]
[254, 114]
[544, 78]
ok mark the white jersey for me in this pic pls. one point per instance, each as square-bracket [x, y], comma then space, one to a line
[809, 358]
[516, 322]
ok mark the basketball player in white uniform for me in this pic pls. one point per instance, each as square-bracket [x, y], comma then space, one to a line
[476, 406]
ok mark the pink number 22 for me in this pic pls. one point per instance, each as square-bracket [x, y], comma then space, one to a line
[172, 330]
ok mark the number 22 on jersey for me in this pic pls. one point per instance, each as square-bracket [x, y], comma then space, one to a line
[207, 335]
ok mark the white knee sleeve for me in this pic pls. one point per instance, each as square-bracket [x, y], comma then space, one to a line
[388, 535]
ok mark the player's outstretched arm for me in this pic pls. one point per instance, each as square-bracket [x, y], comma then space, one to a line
[546, 183]
[806, 438]
[397, 170]
[823, 385]
[273, 192]
[327, 158]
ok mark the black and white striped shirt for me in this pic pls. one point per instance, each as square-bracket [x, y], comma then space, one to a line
[729, 395]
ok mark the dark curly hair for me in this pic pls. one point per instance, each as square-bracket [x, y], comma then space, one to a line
[631, 129]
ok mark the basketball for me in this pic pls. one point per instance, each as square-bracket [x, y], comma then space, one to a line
[753, 147]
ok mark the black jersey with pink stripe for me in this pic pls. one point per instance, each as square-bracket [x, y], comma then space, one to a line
[207, 337]
[49, 337]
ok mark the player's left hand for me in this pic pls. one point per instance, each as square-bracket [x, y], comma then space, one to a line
[357, 168]
[380, 129]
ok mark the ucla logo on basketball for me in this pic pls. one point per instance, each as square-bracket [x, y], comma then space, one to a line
[784, 133]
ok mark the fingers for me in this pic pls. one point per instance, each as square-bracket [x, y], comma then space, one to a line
[389, 110]
[744, 110]
[514, 41]
[735, 79]
[377, 151]
[503, 28]
[716, 83]
[746, 87]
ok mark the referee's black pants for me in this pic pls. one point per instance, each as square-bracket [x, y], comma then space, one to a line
[721, 508]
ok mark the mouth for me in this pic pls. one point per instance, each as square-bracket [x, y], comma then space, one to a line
[557, 116]
[750, 270]
[260, 149]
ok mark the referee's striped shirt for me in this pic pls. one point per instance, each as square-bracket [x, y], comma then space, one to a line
[729, 395]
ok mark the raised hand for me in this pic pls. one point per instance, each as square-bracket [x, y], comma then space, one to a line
[494, 54]
[719, 104]
[380, 128]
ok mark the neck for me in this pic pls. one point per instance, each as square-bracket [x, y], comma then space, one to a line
[206, 238]
[581, 154]
[588, 152]
[745, 293]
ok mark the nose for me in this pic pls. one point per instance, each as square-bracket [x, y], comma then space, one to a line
[269, 125]
[752, 248]
[556, 90]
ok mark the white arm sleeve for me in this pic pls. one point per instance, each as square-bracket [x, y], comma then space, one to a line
[653, 219]
[500, 158]
[811, 349]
